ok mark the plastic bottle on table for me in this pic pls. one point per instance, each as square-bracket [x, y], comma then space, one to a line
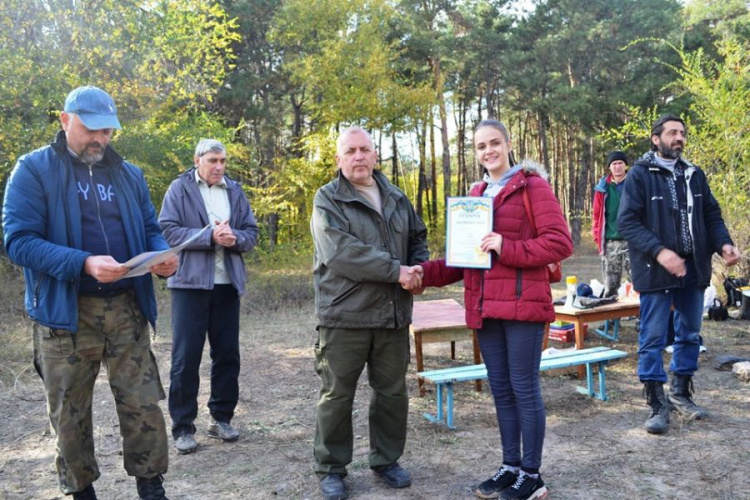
[571, 282]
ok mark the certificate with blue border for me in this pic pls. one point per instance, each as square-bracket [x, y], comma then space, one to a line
[468, 220]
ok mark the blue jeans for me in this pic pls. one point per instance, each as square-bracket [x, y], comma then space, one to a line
[195, 314]
[512, 351]
[652, 339]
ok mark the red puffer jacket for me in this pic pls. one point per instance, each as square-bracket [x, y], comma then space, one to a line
[517, 285]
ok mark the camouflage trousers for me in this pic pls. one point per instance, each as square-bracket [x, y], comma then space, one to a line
[111, 331]
[615, 264]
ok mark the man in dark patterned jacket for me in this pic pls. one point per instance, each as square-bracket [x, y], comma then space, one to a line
[673, 225]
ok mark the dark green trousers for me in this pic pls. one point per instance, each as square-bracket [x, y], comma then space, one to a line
[340, 357]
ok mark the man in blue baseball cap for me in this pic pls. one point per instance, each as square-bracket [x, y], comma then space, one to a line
[73, 211]
[94, 107]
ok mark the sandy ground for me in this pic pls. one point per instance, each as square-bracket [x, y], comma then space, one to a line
[593, 449]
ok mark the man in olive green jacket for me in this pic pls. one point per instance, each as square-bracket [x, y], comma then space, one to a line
[366, 235]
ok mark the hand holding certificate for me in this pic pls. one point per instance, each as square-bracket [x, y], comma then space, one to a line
[468, 220]
[140, 264]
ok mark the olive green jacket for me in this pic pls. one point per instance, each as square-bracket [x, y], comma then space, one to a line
[358, 255]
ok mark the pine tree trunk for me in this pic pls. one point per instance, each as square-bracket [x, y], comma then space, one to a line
[433, 172]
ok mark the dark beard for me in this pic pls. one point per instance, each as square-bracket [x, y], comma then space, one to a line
[669, 153]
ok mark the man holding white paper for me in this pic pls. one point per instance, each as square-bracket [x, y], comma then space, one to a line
[206, 290]
[73, 211]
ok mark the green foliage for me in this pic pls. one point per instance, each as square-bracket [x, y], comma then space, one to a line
[338, 52]
[718, 119]
[253, 97]
[291, 186]
[725, 19]
[190, 48]
[151, 56]
[274, 80]
[164, 146]
[569, 63]
[632, 136]
[720, 142]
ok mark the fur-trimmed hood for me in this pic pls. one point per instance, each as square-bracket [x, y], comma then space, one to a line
[533, 167]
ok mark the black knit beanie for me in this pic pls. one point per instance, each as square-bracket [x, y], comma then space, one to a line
[616, 155]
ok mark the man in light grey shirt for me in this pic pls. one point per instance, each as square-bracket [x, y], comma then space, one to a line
[206, 290]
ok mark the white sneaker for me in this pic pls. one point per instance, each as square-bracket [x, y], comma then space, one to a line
[670, 349]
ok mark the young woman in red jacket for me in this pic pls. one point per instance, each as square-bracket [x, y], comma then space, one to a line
[509, 304]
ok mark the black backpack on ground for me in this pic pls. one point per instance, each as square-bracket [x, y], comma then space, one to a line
[717, 311]
[732, 286]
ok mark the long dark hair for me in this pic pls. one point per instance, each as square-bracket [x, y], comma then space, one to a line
[497, 125]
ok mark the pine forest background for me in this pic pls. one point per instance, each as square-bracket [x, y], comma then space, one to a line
[275, 80]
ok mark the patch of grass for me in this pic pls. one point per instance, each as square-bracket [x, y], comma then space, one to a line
[275, 284]
[16, 366]
[17, 353]
[448, 440]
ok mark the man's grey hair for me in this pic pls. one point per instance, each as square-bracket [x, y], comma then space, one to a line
[209, 146]
[352, 130]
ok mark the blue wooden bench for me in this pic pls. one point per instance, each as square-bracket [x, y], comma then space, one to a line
[445, 378]
[604, 332]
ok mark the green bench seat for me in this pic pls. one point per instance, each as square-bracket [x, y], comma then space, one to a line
[446, 377]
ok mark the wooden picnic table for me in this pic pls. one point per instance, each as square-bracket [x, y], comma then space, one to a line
[625, 306]
[441, 321]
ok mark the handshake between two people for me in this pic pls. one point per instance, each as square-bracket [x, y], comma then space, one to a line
[410, 278]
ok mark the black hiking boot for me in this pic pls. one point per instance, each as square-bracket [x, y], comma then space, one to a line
[394, 475]
[679, 397]
[87, 493]
[333, 487]
[658, 417]
[150, 488]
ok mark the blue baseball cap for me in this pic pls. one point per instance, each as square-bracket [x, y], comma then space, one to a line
[94, 107]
